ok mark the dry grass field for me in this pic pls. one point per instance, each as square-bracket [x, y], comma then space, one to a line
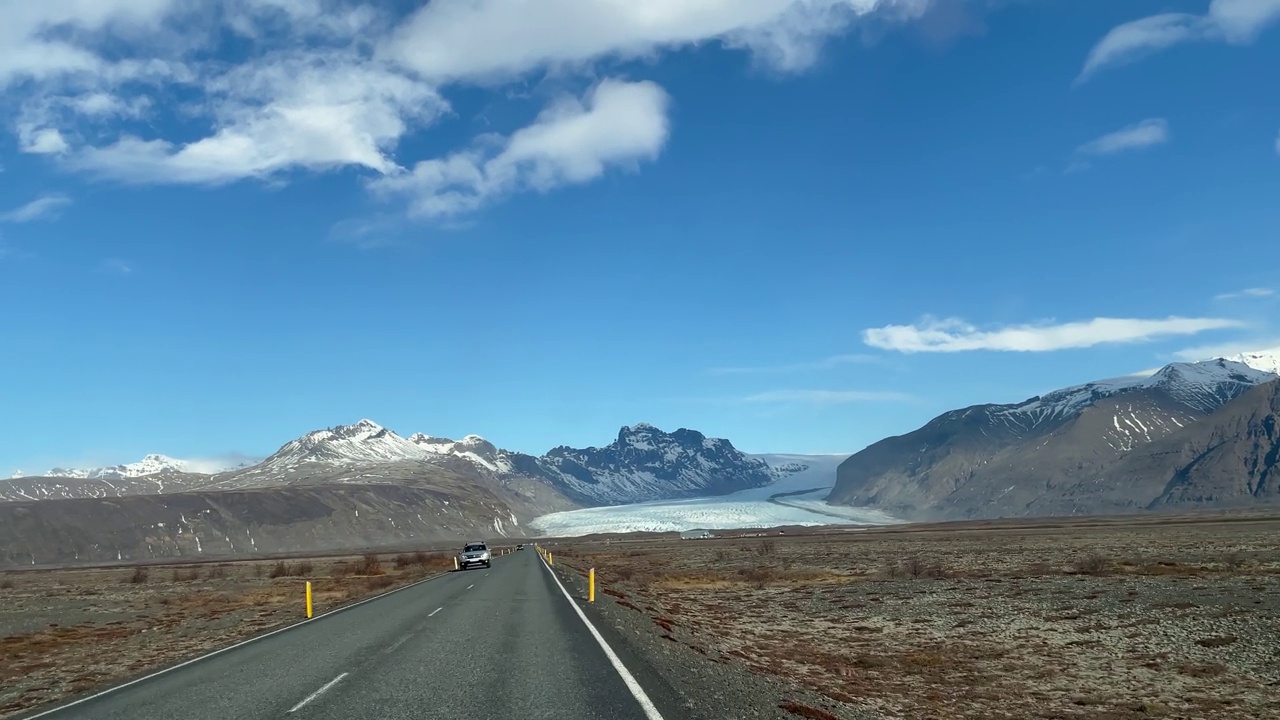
[64, 632]
[1103, 620]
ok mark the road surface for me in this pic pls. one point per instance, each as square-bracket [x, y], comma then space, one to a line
[487, 644]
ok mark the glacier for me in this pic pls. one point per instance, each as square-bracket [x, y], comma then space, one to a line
[794, 499]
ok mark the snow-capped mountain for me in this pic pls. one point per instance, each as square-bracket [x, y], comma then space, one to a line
[472, 448]
[642, 464]
[990, 460]
[645, 463]
[1266, 360]
[1202, 386]
[363, 442]
[153, 464]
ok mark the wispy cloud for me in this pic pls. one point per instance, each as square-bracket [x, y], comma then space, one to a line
[955, 335]
[45, 206]
[1237, 22]
[829, 363]
[827, 397]
[1153, 131]
[331, 85]
[1247, 293]
[116, 266]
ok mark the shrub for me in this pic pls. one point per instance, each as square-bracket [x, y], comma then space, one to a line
[378, 582]
[139, 576]
[1091, 564]
[368, 565]
[185, 574]
[6, 584]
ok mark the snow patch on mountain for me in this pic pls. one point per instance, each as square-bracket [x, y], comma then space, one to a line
[1265, 360]
[1204, 385]
[645, 464]
[153, 464]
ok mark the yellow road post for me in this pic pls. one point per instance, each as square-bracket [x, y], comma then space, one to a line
[455, 562]
[591, 586]
[308, 598]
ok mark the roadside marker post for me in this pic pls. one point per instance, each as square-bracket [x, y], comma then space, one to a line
[550, 559]
[308, 598]
[591, 586]
[455, 562]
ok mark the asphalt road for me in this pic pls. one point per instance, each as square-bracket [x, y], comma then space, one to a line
[487, 644]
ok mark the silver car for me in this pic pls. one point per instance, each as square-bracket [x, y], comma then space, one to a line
[474, 553]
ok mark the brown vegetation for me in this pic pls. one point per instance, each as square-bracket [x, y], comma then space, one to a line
[1096, 619]
[69, 631]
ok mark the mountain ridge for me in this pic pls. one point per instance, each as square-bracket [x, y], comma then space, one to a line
[642, 463]
[1028, 458]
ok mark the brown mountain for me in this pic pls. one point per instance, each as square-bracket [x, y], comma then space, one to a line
[1056, 454]
[405, 511]
[1230, 460]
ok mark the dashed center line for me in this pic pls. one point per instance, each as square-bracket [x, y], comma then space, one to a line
[470, 586]
[433, 612]
[318, 693]
[398, 643]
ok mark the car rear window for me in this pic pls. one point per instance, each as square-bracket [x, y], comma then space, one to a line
[472, 548]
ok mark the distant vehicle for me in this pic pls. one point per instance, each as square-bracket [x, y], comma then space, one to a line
[474, 553]
[696, 535]
[520, 546]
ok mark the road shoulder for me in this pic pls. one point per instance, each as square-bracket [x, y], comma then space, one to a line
[683, 682]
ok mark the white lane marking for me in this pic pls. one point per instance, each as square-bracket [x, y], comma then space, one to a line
[433, 612]
[318, 693]
[398, 643]
[470, 586]
[650, 711]
[242, 643]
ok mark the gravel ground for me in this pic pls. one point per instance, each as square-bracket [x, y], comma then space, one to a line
[710, 686]
[1109, 622]
[67, 632]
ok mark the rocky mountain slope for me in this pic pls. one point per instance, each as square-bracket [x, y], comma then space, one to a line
[1053, 454]
[359, 483]
[642, 464]
[295, 519]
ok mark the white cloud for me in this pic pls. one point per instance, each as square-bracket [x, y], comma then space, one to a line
[823, 364]
[38, 40]
[827, 397]
[1153, 131]
[1247, 293]
[616, 124]
[308, 111]
[1238, 22]
[954, 335]
[41, 141]
[42, 207]
[330, 84]
[449, 40]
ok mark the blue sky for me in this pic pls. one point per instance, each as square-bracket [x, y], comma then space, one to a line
[800, 226]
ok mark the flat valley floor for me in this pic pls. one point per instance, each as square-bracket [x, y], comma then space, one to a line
[1095, 618]
[1105, 619]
